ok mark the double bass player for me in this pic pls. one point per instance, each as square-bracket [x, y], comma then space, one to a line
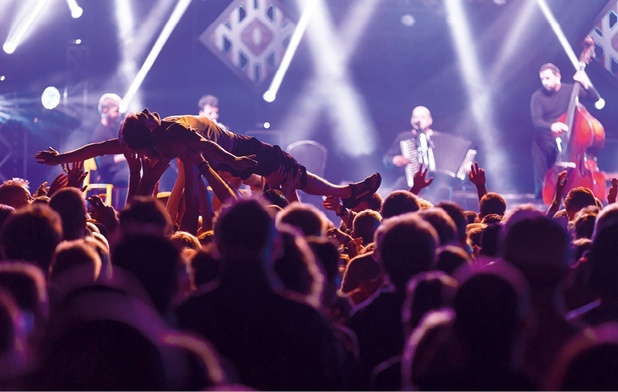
[547, 105]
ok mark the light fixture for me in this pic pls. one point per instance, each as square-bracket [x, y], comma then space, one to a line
[76, 10]
[50, 98]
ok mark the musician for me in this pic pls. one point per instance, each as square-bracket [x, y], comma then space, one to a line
[547, 104]
[420, 135]
[111, 169]
[421, 122]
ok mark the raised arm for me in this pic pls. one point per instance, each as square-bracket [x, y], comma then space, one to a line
[477, 177]
[53, 157]
[420, 182]
[560, 188]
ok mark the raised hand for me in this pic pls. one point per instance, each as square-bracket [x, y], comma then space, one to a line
[332, 203]
[102, 213]
[561, 181]
[153, 169]
[420, 182]
[339, 235]
[291, 183]
[133, 160]
[76, 174]
[48, 157]
[59, 182]
[613, 191]
[41, 190]
[477, 175]
[276, 178]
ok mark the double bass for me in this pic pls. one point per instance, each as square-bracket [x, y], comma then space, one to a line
[584, 133]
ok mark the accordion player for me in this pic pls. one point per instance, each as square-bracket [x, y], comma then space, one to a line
[444, 154]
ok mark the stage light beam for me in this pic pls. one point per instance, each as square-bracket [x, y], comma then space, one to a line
[600, 104]
[271, 94]
[332, 90]
[481, 102]
[17, 35]
[175, 17]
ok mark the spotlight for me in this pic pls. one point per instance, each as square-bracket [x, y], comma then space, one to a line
[599, 104]
[408, 20]
[50, 97]
[76, 10]
[20, 29]
[9, 47]
[269, 96]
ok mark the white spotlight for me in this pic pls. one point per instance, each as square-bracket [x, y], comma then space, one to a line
[599, 104]
[76, 10]
[408, 20]
[9, 47]
[269, 96]
[50, 97]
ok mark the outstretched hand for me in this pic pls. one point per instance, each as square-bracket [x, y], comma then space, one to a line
[291, 182]
[75, 174]
[48, 157]
[561, 184]
[102, 213]
[59, 182]
[420, 182]
[154, 169]
[613, 191]
[133, 160]
[41, 190]
[276, 178]
[477, 175]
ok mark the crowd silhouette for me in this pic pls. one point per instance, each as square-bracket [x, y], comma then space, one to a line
[261, 292]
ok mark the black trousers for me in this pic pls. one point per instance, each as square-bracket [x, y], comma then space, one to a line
[544, 154]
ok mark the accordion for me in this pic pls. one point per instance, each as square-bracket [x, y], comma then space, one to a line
[440, 153]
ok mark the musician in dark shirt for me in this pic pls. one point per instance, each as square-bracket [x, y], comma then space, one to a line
[111, 169]
[547, 105]
[421, 122]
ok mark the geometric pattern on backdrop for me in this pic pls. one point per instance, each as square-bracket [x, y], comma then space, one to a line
[605, 35]
[250, 37]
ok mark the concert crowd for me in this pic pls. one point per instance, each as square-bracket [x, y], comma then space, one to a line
[226, 286]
